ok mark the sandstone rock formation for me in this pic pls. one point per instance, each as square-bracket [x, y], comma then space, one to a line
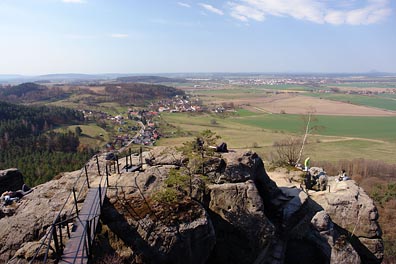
[28, 219]
[353, 211]
[242, 228]
[235, 213]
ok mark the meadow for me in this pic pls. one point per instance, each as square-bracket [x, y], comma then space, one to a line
[351, 126]
[387, 102]
[339, 137]
[390, 84]
[91, 135]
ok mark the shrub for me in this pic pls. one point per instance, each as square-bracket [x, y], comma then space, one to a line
[287, 151]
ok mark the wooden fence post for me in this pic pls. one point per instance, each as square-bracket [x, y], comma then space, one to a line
[86, 175]
[100, 197]
[97, 164]
[55, 236]
[88, 226]
[60, 238]
[75, 200]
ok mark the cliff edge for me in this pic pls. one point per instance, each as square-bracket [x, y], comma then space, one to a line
[233, 212]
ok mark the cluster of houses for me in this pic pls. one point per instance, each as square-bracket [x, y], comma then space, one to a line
[143, 132]
[146, 136]
[146, 133]
[178, 104]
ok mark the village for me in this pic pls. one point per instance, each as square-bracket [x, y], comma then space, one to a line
[140, 126]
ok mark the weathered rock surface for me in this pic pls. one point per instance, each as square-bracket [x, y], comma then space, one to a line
[28, 219]
[236, 213]
[10, 180]
[238, 216]
[333, 245]
[353, 210]
[160, 240]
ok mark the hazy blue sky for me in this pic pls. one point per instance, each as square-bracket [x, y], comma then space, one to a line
[147, 36]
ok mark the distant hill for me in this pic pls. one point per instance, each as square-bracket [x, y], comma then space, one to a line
[68, 76]
[30, 92]
[149, 79]
[22, 89]
[139, 93]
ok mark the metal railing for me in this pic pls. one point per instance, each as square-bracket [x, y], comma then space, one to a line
[64, 216]
[62, 220]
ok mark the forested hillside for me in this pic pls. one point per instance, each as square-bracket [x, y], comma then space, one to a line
[27, 142]
[31, 92]
[138, 93]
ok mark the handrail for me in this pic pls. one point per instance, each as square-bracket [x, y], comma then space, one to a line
[94, 213]
[48, 237]
[86, 234]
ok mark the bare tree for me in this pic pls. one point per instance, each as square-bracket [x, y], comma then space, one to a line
[308, 128]
[290, 150]
[287, 150]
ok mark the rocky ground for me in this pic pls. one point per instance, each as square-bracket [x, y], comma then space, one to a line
[236, 213]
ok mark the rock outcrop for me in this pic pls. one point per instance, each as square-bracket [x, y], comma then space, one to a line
[354, 211]
[25, 222]
[242, 228]
[235, 213]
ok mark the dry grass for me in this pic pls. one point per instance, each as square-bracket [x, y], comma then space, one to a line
[299, 104]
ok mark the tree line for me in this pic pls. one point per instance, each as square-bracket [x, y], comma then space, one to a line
[28, 143]
[31, 92]
[139, 93]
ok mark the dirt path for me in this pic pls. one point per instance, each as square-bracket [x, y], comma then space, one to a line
[338, 139]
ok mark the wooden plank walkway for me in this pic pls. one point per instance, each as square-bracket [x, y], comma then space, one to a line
[77, 247]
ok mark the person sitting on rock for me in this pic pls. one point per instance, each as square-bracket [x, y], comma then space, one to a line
[343, 176]
[221, 148]
[11, 196]
[309, 181]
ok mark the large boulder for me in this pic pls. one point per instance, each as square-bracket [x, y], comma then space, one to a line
[241, 166]
[28, 219]
[10, 180]
[178, 232]
[334, 245]
[242, 228]
[353, 210]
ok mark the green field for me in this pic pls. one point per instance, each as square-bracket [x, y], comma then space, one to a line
[364, 84]
[383, 102]
[91, 135]
[348, 126]
[341, 138]
[294, 87]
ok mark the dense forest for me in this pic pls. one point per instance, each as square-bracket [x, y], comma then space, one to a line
[139, 93]
[31, 92]
[27, 142]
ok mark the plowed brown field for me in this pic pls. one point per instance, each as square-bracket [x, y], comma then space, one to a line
[299, 104]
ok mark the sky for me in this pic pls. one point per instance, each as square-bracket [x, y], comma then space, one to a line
[166, 36]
